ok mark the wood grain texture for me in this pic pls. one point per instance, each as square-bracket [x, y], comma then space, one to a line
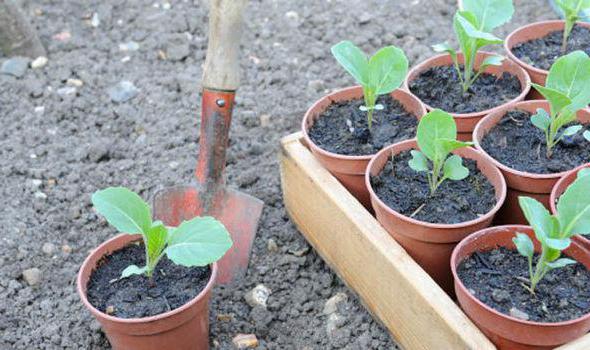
[225, 27]
[393, 287]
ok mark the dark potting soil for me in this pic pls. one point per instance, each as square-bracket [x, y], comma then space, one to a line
[440, 87]
[543, 52]
[343, 128]
[495, 278]
[136, 296]
[405, 190]
[518, 144]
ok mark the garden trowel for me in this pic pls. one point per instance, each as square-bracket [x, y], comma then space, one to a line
[238, 211]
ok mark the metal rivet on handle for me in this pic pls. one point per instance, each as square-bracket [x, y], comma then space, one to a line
[220, 102]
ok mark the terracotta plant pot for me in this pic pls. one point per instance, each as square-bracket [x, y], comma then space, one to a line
[184, 328]
[531, 32]
[558, 190]
[429, 244]
[350, 170]
[466, 121]
[520, 183]
[505, 331]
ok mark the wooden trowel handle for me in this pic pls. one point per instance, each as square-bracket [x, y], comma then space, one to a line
[225, 27]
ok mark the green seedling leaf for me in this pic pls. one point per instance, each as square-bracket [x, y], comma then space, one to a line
[570, 75]
[583, 172]
[387, 69]
[470, 29]
[419, 162]
[538, 217]
[123, 209]
[454, 169]
[491, 61]
[436, 136]
[561, 263]
[490, 14]
[445, 47]
[378, 75]
[557, 99]
[198, 242]
[541, 119]
[353, 60]
[133, 270]
[157, 238]
[524, 245]
[571, 10]
[572, 130]
[573, 208]
[586, 135]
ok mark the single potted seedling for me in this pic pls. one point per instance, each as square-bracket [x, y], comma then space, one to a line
[471, 83]
[527, 286]
[560, 188]
[432, 191]
[347, 127]
[149, 287]
[535, 143]
[536, 46]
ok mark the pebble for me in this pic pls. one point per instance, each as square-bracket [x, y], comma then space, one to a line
[365, 18]
[292, 15]
[245, 341]
[63, 36]
[66, 91]
[123, 91]
[48, 248]
[500, 295]
[178, 51]
[316, 85]
[32, 276]
[39, 109]
[129, 46]
[95, 20]
[258, 296]
[110, 310]
[39, 62]
[331, 305]
[36, 183]
[66, 249]
[74, 82]
[264, 120]
[514, 312]
[40, 195]
[272, 246]
[334, 322]
[16, 66]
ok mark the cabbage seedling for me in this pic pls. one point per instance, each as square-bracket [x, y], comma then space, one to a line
[568, 90]
[473, 25]
[378, 75]
[196, 242]
[554, 232]
[571, 10]
[437, 138]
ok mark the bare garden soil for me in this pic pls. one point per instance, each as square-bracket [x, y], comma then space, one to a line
[170, 286]
[543, 52]
[407, 192]
[518, 144]
[495, 277]
[440, 87]
[59, 146]
[343, 128]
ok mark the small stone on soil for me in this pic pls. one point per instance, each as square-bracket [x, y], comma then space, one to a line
[123, 91]
[48, 248]
[129, 46]
[110, 310]
[16, 66]
[32, 276]
[272, 246]
[331, 305]
[258, 296]
[66, 249]
[500, 295]
[245, 341]
[334, 322]
[514, 312]
[39, 62]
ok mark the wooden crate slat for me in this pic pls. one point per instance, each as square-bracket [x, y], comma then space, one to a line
[397, 291]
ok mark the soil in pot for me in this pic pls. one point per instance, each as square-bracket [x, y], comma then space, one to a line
[494, 277]
[440, 87]
[518, 144]
[342, 128]
[136, 296]
[406, 191]
[543, 52]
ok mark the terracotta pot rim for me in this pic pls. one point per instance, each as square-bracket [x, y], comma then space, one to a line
[329, 97]
[502, 166]
[455, 263]
[509, 44]
[488, 215]
[98, 313]
[416, 70]
[554, 195]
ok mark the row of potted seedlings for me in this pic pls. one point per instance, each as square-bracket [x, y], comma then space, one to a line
[458, 148]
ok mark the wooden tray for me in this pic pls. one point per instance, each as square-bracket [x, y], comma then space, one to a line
[395, 289]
